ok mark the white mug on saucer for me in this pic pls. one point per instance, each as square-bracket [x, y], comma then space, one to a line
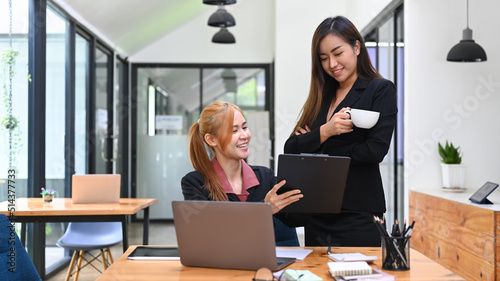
[364, 119]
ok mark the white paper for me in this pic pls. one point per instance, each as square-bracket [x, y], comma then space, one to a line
[299, 254]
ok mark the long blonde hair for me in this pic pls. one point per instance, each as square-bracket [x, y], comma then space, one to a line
[217, 120]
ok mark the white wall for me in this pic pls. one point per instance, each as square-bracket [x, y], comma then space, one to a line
[192, 43]
[459, 102]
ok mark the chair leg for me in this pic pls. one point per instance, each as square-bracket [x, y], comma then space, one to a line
[71, 265]
[78, 265]
[110, 257]
[103, 258]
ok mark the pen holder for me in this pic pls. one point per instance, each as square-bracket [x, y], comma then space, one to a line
[396, 253]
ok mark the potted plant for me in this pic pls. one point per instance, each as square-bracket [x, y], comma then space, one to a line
[453, 171]
[48, 195]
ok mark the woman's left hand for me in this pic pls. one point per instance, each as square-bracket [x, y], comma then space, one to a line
[280, 201]
[301, 130]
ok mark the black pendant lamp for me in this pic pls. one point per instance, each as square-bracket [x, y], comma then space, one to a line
[223, 37]
[466, 50]
[221, 18]
[219, 2]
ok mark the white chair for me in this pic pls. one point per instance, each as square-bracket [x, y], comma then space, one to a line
[82, 237]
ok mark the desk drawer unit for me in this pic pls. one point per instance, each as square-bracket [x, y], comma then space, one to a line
[461, 237]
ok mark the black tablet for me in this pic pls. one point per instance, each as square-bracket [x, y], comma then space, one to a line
[320, 177]
[154, 253]
[479, 196]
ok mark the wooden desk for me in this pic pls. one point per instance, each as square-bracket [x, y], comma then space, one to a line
[62, 210]
[462, 236]
[422, 268]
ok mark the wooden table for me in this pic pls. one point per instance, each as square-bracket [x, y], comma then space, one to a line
[422, 268]
[33, 210]
[460, 235]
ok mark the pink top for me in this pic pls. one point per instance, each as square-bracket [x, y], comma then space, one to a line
[249, 179]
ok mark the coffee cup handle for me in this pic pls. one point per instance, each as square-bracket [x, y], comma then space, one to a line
[348, 112]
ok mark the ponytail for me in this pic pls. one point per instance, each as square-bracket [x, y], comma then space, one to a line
[202, 164]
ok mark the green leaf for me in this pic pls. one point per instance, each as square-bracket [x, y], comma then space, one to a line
[449, 153]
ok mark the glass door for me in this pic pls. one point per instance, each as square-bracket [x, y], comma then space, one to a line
[168, 100]
[103, 114]
[55, 104]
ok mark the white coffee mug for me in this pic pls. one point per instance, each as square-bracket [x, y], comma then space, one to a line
[363, 118]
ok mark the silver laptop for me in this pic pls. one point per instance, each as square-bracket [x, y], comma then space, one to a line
[89, 189]
[229, 235]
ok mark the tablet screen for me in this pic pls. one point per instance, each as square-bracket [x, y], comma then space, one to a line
[485, 190]
[154, 253]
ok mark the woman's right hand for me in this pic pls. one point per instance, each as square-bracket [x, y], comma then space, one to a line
[280, 201]
[340, 123]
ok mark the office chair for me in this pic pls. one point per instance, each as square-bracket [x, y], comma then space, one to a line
[82, 237]
[284, 235]
[15, 265]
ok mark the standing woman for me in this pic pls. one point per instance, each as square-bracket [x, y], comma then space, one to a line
[342, 78]
[227, 177]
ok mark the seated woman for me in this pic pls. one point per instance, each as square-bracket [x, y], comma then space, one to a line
[227, 177]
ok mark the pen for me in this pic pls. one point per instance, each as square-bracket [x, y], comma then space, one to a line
[397, 232]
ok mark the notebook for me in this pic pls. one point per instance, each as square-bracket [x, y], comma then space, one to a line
[351, 269]
[229, 235]
[321, 179]
[95, 188]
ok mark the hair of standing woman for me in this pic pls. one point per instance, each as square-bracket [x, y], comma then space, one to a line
[217, 120]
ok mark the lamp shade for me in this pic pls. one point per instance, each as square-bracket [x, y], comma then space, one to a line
[219, 2]
[221, 18]
[223, 37]
[466, 50]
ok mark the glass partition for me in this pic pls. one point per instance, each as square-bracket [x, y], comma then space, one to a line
[101, 112]
[168, 102]
[81, 90]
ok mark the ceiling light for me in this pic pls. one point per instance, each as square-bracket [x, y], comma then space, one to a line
[218, 2]
[223, 36]
[466, 50]
[221, 18]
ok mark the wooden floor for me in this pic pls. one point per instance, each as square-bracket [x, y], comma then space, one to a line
[159, 234]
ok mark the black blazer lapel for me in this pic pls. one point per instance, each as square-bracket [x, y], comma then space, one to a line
[354, 93]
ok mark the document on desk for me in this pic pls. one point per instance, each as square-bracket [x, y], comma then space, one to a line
[299, 254]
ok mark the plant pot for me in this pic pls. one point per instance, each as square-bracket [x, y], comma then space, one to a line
[453, 175]
[48, 198]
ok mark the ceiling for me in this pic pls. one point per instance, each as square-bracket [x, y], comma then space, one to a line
[131, 25]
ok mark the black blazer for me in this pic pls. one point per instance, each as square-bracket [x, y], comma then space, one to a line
[192, 186]
[366, 147]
